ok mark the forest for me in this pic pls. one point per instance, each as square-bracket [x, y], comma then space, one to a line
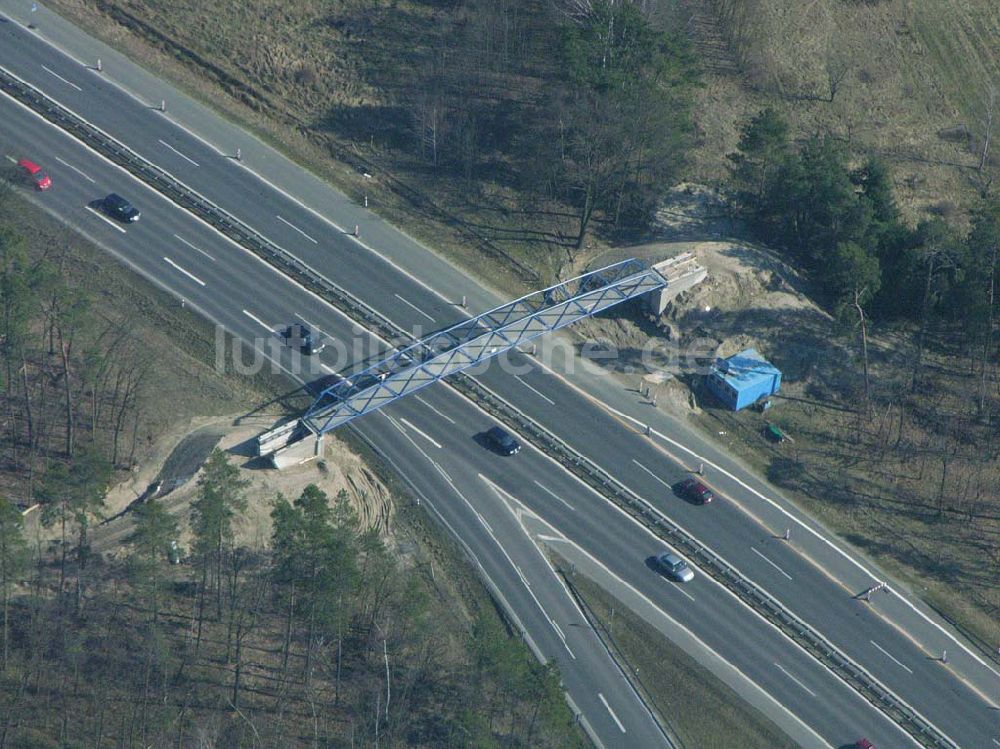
[320, 639]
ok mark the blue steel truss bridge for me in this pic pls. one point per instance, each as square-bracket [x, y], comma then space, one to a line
[469, 343]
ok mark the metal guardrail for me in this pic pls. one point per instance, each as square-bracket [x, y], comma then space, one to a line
[745, 589]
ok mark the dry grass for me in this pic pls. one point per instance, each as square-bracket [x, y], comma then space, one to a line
[324, 85]
[678, 686]
[914, 68]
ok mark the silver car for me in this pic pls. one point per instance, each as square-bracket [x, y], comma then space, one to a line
[674, 567]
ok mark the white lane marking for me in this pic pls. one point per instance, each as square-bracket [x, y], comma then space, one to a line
[105, 219]
[543, 397]
[289, 223]
[819, 742]
[620, 726]
[523, 578]
[770, 563]
[558, 630]
[190, 275]
[196, 249]
[553, 494]
[253, 257]
[794, 679]
[788, 516]
[326, 368]
[443, 416]
[443, 473]
[889, 656]
[421, 433]
[82, 174]
[259, 321]
[68, 83]
[679, 587]
[996, 742]
[186, 158]
[412, 306]
[518, 518]
[10, 158]
[655, 477]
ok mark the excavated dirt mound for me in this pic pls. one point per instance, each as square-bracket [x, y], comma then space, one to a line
[751, 298]
[339, 470]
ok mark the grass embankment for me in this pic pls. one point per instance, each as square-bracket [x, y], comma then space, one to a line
[912, 85]
[681, 691]
[337, 91]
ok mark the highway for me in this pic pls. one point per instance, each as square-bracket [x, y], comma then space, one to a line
[477, 494]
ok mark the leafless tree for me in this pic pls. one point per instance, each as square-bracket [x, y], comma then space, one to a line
[935, 259]
[837, 68]
[858, 293]
[989, 112]
[988, 337]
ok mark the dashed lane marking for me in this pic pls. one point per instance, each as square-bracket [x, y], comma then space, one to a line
[196, 249]
[187, 273]
[770, 563]
[617, 722]
[81, 173]
[289, 223]
[414, 307]
[105, 219]
[68, 83]
[186, 158]
[421, 433]
[553, 494]
[782, 669]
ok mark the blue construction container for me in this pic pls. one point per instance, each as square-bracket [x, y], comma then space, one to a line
[743, 379]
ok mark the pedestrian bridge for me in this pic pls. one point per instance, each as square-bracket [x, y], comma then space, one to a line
[480, 338]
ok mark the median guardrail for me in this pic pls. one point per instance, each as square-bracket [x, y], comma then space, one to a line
[593, 475]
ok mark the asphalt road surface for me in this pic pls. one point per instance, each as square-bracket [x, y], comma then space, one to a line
[481, 497]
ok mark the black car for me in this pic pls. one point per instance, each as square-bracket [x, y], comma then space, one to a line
[304, 339]
[117, 207]
[501, 440]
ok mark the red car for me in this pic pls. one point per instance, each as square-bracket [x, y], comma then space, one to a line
[864, 744]
[695, 491]
[35, 174]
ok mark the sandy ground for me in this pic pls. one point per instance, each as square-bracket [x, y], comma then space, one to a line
[751, 298]
[180, 455]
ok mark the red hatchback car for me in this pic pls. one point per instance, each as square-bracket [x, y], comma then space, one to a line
[35, 174]
[695, 491]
